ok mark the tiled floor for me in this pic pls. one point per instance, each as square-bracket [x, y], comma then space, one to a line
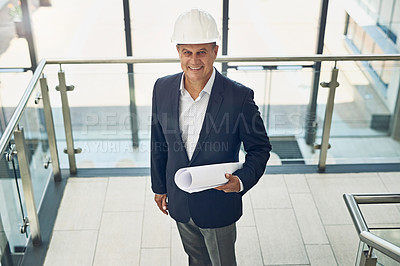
[288, 220]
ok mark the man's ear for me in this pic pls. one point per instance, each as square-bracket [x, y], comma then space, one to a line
[216, 50]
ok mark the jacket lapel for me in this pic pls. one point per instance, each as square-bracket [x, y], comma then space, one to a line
[213, 108]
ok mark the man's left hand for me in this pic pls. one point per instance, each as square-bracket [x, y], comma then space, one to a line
[233, 184]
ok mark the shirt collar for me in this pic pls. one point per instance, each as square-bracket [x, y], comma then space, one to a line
[207, 88]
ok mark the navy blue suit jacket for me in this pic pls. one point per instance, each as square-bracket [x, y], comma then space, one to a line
[231, 118]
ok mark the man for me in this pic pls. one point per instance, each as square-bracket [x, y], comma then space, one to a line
[201, 117]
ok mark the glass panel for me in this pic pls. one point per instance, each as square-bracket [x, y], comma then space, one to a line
[101, 113]
[33, 123]
[377, 66]
[281, 100]
[387, 72]
[282, 94]
[3, 240]
[391, 235]
[361, 117]
[11, 206]
[361, 248]
[382, 259]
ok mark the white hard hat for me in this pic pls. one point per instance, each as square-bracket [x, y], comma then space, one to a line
[195, 26]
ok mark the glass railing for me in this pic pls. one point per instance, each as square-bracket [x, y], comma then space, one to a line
[379, 258]
[25, 171]
[12, 206]
[392, 235]
[378, 245]
[362, 112]
[85, 114]
[363, 115]
[102, 126]
[36, 140]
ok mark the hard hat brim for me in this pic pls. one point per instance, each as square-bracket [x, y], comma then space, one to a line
[176, 42]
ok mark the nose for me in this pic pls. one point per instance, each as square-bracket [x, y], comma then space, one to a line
[195, 58]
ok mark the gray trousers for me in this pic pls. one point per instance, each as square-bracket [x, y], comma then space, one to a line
[208, 246]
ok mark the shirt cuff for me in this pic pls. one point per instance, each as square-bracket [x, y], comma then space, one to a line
[241, 185]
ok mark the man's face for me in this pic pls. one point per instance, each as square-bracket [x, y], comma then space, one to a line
[197, 60]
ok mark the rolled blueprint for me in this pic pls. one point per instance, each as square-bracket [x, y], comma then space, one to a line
[199, 178]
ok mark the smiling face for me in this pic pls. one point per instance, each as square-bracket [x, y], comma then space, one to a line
[197, 61]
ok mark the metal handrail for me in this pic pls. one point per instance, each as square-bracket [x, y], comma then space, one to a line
[151, 60]
[224, 59]
[16, 117]
[373, 241]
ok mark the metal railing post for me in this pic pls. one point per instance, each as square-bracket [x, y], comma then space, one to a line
[332, 85]
[225, 29]
[26, 179]
[63, 88]
[368, 258]
[48, 116]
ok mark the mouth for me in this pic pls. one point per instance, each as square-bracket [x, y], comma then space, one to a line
[195, 68]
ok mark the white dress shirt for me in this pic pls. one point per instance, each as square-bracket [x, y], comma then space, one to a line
[192, 113]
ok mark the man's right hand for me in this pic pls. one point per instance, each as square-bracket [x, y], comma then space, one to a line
[161, 201]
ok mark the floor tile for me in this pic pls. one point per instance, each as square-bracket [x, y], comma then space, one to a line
[71, 248]
[119, 239]
[328, 190]
[391, 181]
[156, 226]
[320, 255]
[288, 219]
[310, 224]
[155, 256]
[125, 194]
[296, 184]
[248, 250]
[82, 204]
[280, 237]
[270, 192]
[344, 241]
[380, 213]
